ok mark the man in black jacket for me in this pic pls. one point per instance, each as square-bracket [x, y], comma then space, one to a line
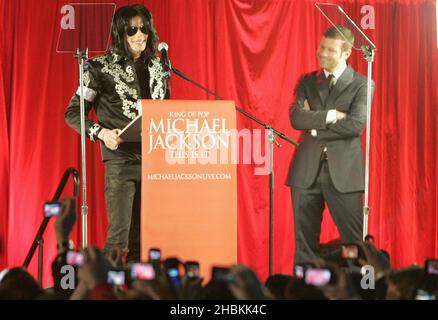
[114, 84]
[330, 109]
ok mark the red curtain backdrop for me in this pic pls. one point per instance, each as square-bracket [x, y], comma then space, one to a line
[250, 51]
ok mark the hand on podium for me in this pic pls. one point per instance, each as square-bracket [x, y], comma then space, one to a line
[110, 138]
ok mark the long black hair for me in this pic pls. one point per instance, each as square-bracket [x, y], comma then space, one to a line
[121, 22]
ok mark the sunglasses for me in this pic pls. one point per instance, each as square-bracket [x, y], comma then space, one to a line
[132, 30]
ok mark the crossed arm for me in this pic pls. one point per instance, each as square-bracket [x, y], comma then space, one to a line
[346, 125]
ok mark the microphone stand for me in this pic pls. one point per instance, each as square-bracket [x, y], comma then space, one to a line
[272, 138]
[81, 57]
[368, 54]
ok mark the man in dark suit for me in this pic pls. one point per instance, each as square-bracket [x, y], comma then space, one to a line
[330, 109]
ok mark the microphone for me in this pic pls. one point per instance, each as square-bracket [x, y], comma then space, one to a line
[167, 68]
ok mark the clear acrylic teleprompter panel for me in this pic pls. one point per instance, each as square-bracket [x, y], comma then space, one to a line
[85, 25]
[338, 17]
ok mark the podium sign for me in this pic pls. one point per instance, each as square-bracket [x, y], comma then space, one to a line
[189, 183]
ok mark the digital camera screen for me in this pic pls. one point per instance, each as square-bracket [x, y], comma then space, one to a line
[299, 272]
[142, 271]
[222, 274]
[424, 295]
[317, 277]
[155, 254]
[192, 270]
[174, 277]
[74, 258]
[116, 278]
[52, 209]
[173, 273]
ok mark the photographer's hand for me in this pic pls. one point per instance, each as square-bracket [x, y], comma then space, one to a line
[245, 285]
[81, 292]
[115, 257]
[338, 290]
[371, 257]
[191, 287]
[95, 269]
[141, 289]
[64, 223]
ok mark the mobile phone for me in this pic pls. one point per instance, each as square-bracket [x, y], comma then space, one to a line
[52, 209]
[74, 258]
[318, 276]
[172, 269]
[174, 276]
[221, 274]
[192, 269]
[349, 251]
[431, 267]
[154, 254]
[116, 277]
[142, 271]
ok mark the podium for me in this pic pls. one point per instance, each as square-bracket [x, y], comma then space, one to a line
[189, 180]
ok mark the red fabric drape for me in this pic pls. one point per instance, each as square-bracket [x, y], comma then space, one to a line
[252, 52]
[4, 161]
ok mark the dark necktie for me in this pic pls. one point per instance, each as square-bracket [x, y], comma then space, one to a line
[331, 78]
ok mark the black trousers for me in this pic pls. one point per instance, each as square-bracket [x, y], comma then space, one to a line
[123, 200]
[308, 205]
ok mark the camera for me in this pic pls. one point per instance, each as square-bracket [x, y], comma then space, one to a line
[174, 276]
[220, 274]
[142, 271]
[431, 267]
[318, 277]
[192, 269]
[350, 251]
[116, 277]
[172, 270]
[74, 258]
[154, 254]
[52, 209]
